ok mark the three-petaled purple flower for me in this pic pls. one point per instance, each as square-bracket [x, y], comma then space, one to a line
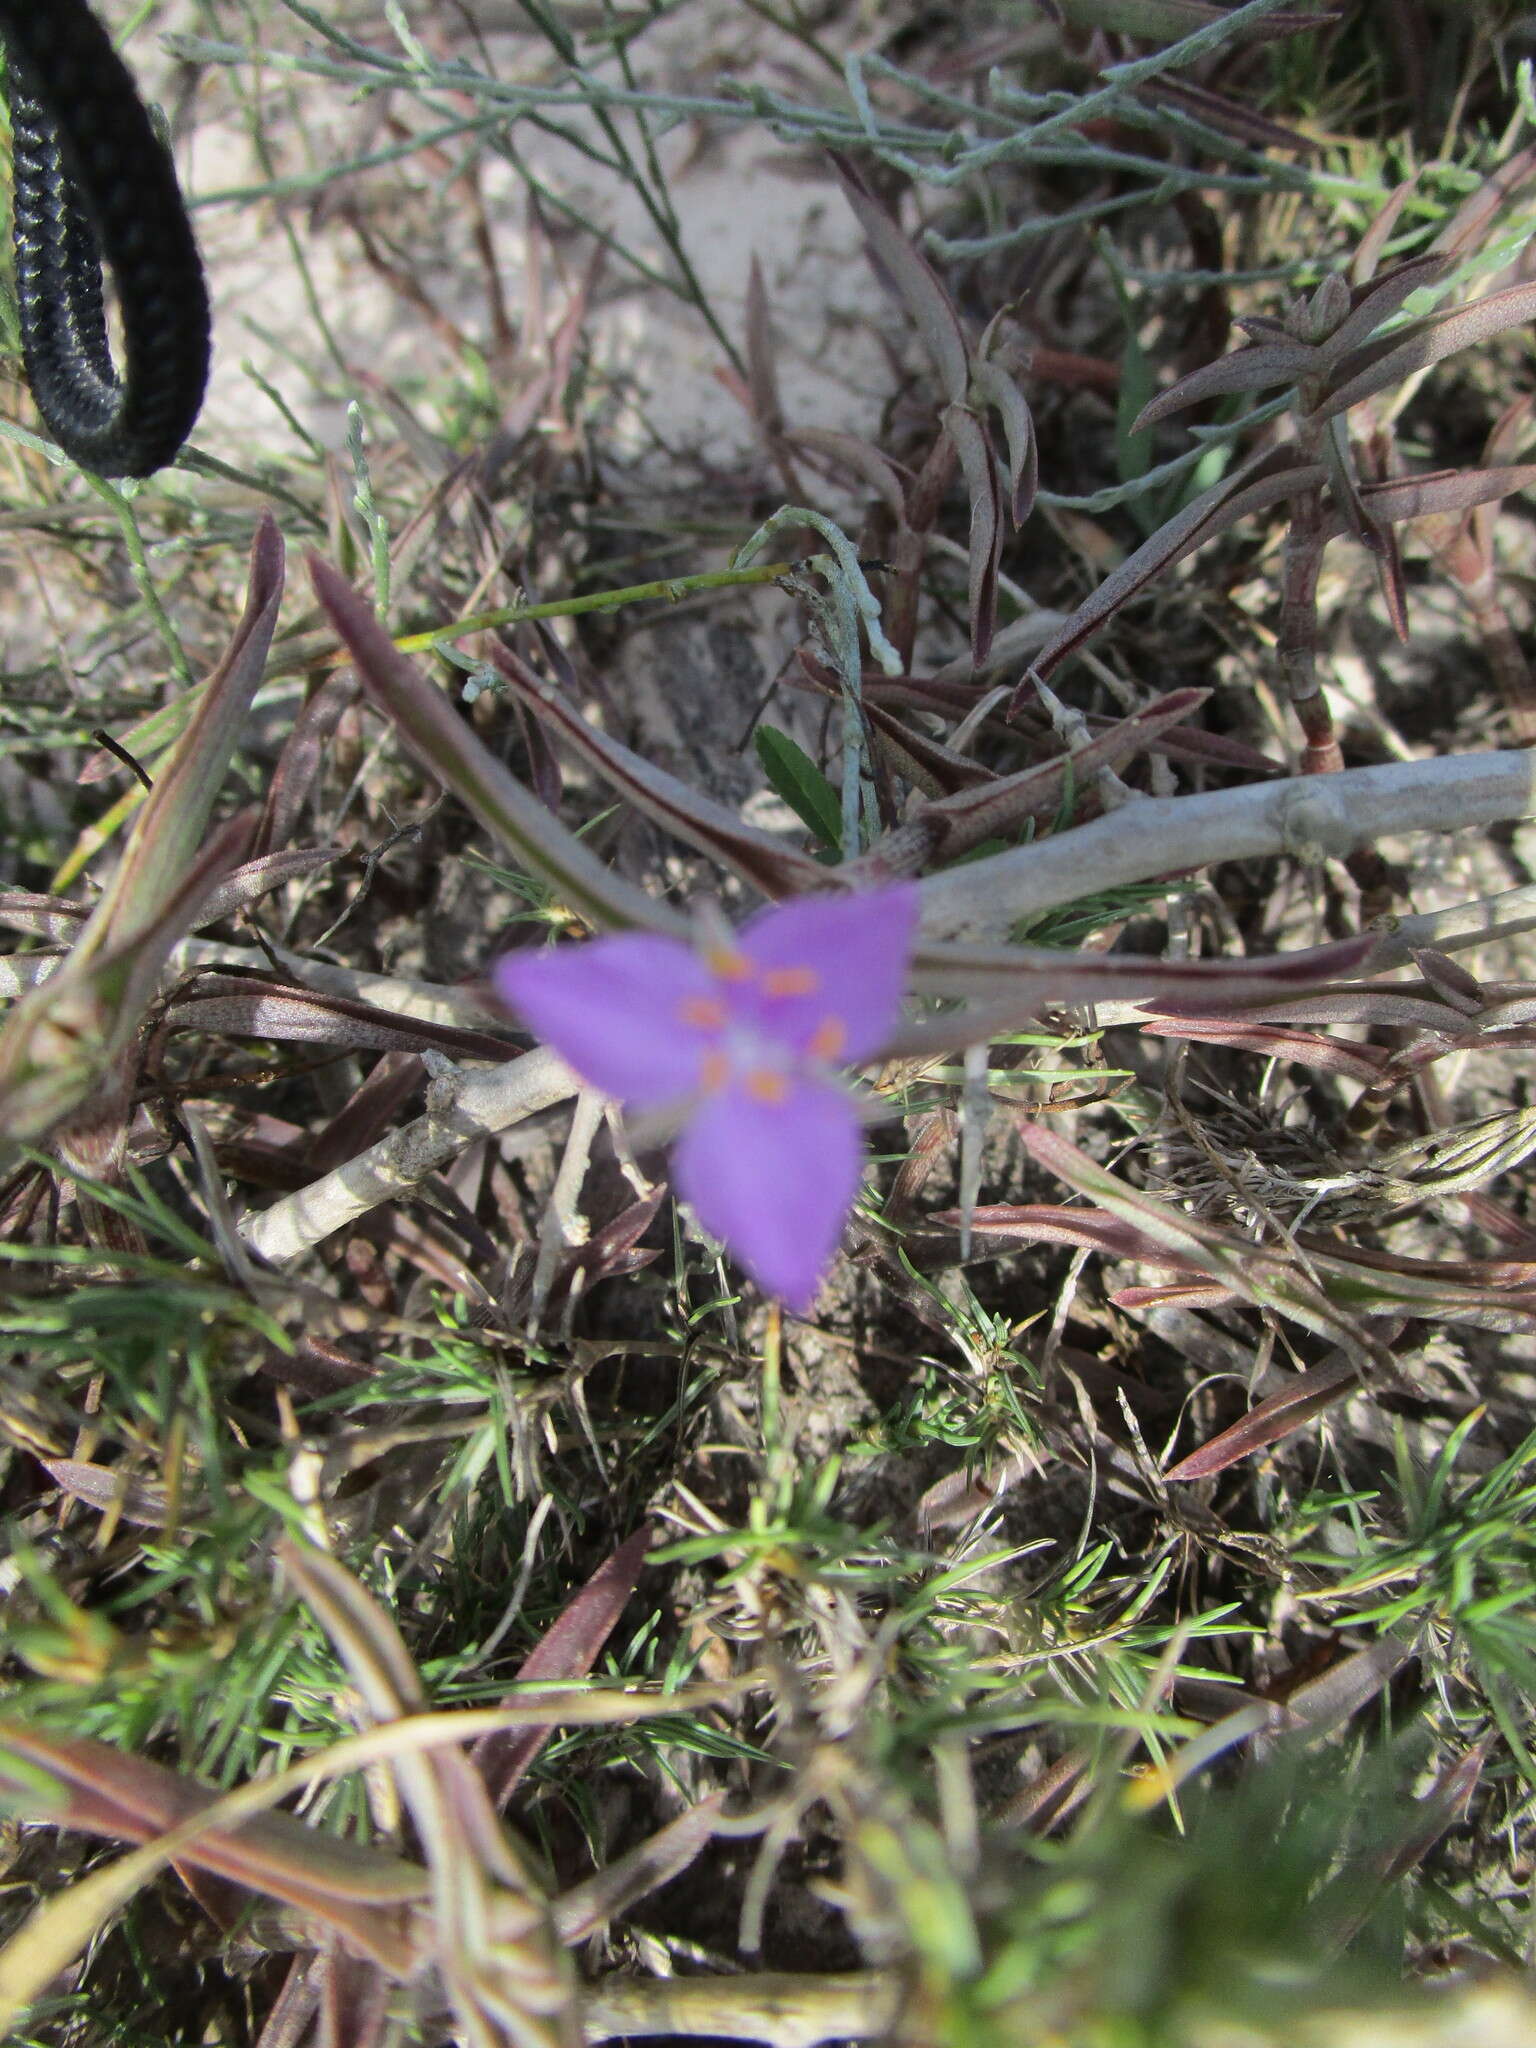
[746, 1035]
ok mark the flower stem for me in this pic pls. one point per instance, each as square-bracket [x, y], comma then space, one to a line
[672, 588]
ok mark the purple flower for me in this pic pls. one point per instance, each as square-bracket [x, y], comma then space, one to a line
[746, 1035]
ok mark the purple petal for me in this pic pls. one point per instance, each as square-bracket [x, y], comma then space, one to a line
[774, 1180]
[617, 1011]
[854, 952]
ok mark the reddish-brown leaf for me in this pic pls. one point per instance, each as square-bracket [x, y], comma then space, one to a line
[568, 1649]
[1264, 479]
[921, 293]
[770, 866]
[258, 1009]
[103, 1488]
[1273, 1418]
[1390, 358]
[979, 466]
[1255, 368]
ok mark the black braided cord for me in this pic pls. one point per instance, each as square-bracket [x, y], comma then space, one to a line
[93, 183]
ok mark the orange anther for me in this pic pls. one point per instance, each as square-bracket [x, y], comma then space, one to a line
[714, 1072]
[705, 1013]
[828, 1039]
[766, 1084]
[791, 981]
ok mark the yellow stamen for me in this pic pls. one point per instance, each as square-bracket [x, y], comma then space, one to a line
[705, 1013]
[714, 1072]
[728, 964]
[791, 981]
[764, 1084]
[828, 1039]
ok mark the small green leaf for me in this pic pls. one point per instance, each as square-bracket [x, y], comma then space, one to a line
[793, 775]
[1133, 450]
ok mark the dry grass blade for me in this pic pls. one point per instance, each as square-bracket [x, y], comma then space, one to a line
[1167, 21]
[494, 1942]
[34, 1783]
[62, 1039]
[786, 2011]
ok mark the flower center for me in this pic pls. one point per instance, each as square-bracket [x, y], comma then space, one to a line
[746, 1049]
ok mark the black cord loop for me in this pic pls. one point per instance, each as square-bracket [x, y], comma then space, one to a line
[93, 183]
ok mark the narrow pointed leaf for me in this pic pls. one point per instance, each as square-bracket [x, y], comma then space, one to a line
[921, 293]
[589, 1906]
[297, 1016]
[860, 458]
[173, 823]
[1319, 1704]
[1257, 368]
[1470, 222]
[794, 776]
[762, 377]
[1387, 361]
[1440, 492]
[1170, 21]
[1043, 973]
[567, 1650]
[993, 383]
[253, 879]
[1265, 479]
[759, 858]
[104, 1791]
[449, 749]
[65, 1038]
[61, 1039]
[43, 917]
[986, 537]
[1004, 803]
[300, 761]
[1308, 1396]
[1226, 116]
[480, 1878]
[1380, 300]
[1006, 1223]
[107, 1490]
[1361, 1063]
